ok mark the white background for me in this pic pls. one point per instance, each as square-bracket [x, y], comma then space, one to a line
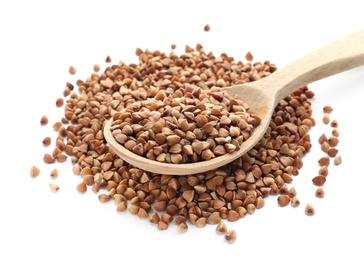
[39, 40]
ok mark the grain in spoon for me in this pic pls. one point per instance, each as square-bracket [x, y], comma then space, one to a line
[262, 96]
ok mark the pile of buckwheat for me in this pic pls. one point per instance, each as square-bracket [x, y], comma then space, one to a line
[229, 193]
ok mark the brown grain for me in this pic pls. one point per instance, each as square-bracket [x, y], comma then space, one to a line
[108, 59]
[319, 180]
[72, 70]
[59, 102]
[333, 141]
[46, 141]
[332, 152]
[48, 158]
[96, 68]
[320, 193]
[81, 187]
[34, 171]
[324, 171]
[221, 228]
[309, 210]
[324, 161]
[44, 120]
[334, 123]
[54, 174]
[249, 56]
[327, 109]
[283, 200]
[295, 202]
[230, 236]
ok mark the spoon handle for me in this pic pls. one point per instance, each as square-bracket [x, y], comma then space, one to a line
[341, 55]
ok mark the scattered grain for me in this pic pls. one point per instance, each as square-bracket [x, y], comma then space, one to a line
[34, 171]
[309, 210]
[48, 158]
[44, 120]
[53, 187]
[46, 141]
[332, 152]
[154, 218]
[295, 201]
[320, 193]
[325, 146]
[334, 123]
[57, 125]
[324, 171]
[162, 225]
[59, 102]
[108, 59]
[96, 67]
[322, 138]
[292, 192]
[326, 118]
[81, 187]
[333, 141]
[319, 180]
[283, 200]
[335, 132]
[230, 236]
[104, 197]
[327, 109]
[207, 28]
[72, 70]
[182, 227]
[324, 161]
[221, 228]
[61, 157]
[337, 160]
[54, 174]
[249, 56]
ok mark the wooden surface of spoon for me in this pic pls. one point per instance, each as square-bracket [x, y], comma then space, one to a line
[262, 96]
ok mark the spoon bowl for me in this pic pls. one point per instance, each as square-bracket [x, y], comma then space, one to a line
[262, 96]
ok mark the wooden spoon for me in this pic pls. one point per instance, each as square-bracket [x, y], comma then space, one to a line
[262, 96]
